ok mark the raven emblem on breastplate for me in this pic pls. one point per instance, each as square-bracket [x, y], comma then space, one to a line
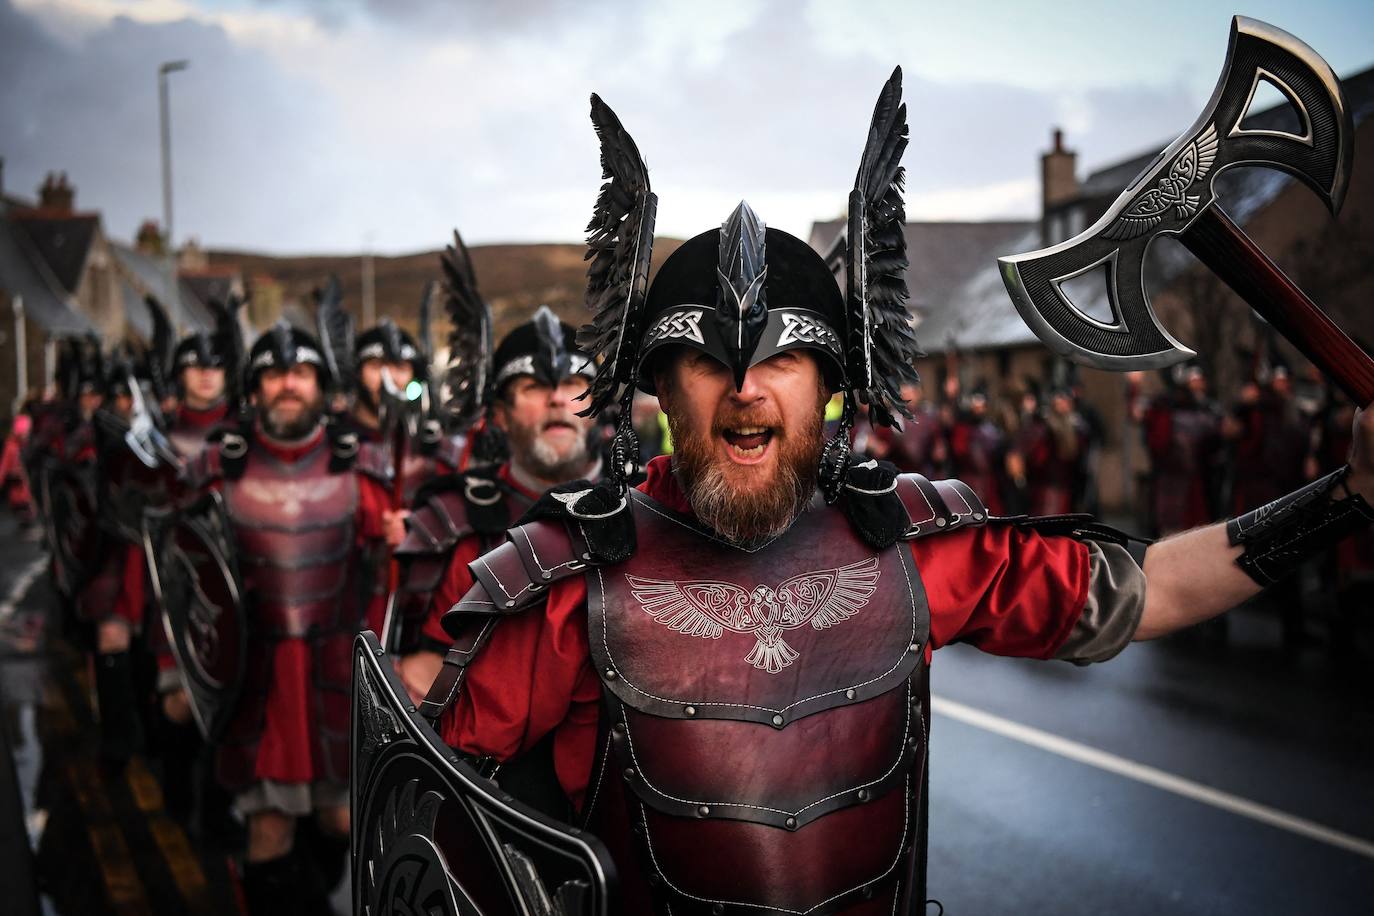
[707, 608]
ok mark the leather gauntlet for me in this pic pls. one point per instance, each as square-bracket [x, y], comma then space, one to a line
[1280, 536]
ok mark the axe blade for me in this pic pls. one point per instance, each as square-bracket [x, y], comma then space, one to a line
[1175, 189]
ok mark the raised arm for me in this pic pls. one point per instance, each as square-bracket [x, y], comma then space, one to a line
[1199, 574]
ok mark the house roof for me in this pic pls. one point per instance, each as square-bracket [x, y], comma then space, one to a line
[62, 239]
[972, 310]
[143, 274]
[24, 273]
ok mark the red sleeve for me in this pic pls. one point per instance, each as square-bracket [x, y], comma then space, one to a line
[455, 584]
[373, 500]
[534, 676]
[1158, 431]
[1006, 590]
[129, 605]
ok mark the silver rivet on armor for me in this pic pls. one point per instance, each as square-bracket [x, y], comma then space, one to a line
[790, 823]
[586, 556]
[777, 720]
[704, 811]
[868, 892]
[629, 772]
[689, 710]
[610, 674]
[717, 910]
[618, 728]
[863, 795]
[379, 651]
[915, 647]
[510, 604]
[546, 576]
[977, 516]
[410, 709]
[940, 522]
[850, 694]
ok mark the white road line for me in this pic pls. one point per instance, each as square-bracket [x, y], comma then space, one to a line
[1150, 776]
[22, 584]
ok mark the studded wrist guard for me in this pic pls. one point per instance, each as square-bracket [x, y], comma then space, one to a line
[1279, 536]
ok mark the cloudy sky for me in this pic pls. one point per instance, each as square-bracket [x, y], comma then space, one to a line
[334, 125]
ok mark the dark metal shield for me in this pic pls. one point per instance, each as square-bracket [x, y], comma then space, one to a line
[431, 835]
[199, 592]
[68, 504]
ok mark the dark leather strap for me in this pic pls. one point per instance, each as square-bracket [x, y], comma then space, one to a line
[1280, 536]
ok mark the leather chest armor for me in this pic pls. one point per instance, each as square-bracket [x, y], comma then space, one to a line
[765, 705]
[769, 706]
[295, 528]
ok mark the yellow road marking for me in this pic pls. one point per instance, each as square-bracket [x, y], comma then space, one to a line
[171, 839]
[112, 855]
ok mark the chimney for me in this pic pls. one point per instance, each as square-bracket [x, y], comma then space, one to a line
[56, 194]
[1058, 182]
[149, 240]
[192, 258]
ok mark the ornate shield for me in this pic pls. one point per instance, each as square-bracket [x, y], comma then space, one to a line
[68, 505]
[431, 835]
[199, 592]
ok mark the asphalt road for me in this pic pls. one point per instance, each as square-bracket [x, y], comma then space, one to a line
[1017, 827]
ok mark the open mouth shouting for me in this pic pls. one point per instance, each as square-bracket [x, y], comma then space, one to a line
[747, 444]
[554, 426]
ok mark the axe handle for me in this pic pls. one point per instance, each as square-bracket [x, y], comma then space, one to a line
[1223, 247]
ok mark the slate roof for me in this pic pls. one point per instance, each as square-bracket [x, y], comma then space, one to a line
[147, 273]
[24, 273]
[972, 311]
[62, 240]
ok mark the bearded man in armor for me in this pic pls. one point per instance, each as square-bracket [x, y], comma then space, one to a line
[538, 375]
[729, 662]
[298, 516]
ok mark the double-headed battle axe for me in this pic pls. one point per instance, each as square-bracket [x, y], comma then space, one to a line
[1175, 196]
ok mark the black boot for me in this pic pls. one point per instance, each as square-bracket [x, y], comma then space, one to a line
[275, 887]
[326, 855]
[121, 726]
[178, 746]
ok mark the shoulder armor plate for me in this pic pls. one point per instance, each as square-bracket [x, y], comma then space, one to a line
[517, 574]
[938, 506]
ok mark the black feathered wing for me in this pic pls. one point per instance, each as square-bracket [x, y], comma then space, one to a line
[620, 241]
[468, 373]
[335, 326]
[881, 347]
[160, 368]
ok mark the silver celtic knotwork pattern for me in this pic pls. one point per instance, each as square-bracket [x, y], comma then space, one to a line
[677, 324]
[798, 328]
[707, 608]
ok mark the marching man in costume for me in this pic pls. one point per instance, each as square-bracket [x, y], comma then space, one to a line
[282, 517]
[526, 392]
[731, 660]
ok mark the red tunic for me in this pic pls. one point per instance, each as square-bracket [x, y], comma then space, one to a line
[288, 749]
[1005, 590]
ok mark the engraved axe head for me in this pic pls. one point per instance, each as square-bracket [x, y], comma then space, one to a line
[1168, 196]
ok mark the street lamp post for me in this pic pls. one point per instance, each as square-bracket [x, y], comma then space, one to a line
[173, 299]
